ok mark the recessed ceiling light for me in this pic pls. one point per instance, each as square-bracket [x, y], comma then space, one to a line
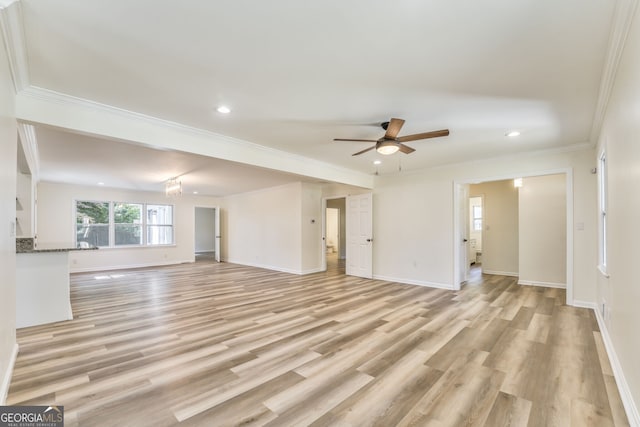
[513, 133]
[101, 183]
[377, 162]
[223, 109]
[195, 192]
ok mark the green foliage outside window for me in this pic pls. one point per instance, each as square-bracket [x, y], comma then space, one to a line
[92, 223]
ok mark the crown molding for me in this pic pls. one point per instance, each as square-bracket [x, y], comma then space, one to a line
[14, 42]
[621, 24]
[227, 148]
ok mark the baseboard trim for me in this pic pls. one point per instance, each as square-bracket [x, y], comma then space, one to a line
[127, 266]
[500, 273]
[312, 270]
[414, 282]
[623, 387]
[584, 304]
[6, 380]
[543, 284]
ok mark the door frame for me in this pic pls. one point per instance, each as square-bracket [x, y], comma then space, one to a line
[464, 233]
[568, 172]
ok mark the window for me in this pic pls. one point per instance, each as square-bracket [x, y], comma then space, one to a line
[602, 196]
[477, 218]
[159, 224]
[92, 224]
[127, 221]
[115, 224]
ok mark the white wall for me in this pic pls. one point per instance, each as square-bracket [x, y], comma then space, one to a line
[205, 229]
[264, 228]
[311, 232]
[413, 216]
[56, 226]
[500, 234]
[621, 291]
[278, 228]
[543, 231]
[413, 228]
[8, 162]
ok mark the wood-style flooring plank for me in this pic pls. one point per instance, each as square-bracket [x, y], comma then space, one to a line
[209, 344]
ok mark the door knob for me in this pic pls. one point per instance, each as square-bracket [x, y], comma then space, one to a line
[369, 240]
[465, 240]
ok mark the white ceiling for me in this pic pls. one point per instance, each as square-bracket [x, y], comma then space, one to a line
[81, 159]
[298, 74]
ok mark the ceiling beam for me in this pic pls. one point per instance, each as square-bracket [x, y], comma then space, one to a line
[42, 106]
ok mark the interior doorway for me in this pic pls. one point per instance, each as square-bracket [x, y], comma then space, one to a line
[333, 231]
[334, 239]
[207, 234]
[354, 253]
[524, 227]
[476, 223]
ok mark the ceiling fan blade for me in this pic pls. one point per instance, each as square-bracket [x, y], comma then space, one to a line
[393, 128]
[363, 140]
[415, 137]
[405, 149]
[363, 151]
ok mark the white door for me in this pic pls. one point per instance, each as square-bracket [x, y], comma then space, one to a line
[217, 234]
[360, 235]
[463, 238]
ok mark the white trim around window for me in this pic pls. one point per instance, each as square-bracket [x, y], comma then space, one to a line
[140, 224]
[603, 190]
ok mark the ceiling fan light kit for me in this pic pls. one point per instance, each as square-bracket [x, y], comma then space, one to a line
[391, 143]
[387, 147]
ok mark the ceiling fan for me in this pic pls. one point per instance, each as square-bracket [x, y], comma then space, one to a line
[390, 142]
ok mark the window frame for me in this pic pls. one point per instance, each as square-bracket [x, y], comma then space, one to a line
[114, 242]
[163, 225]
[602, 213]
[75, 220]
[112, 224]
[475, 218]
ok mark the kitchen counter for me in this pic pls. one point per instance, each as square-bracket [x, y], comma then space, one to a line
[53, 249]
[43, 293]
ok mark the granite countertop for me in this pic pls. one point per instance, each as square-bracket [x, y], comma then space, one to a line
[27, 245]
[37, 251]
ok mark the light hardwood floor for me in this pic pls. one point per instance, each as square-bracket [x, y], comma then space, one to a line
[211, 344]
